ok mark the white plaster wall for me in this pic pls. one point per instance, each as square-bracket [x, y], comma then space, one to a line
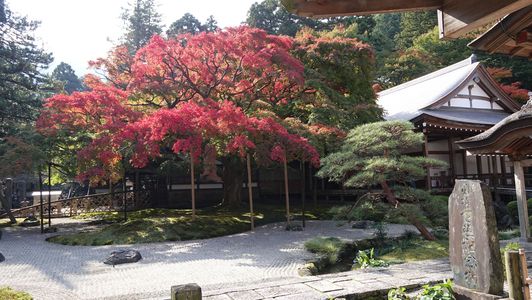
[460, 102]
[482, 104]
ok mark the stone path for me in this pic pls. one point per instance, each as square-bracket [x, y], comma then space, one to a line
[358, 284]
[270, 254]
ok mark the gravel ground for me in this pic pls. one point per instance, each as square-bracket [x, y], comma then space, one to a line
[52, 271]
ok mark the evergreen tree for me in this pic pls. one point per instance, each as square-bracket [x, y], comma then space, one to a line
[22, 83]
[414, 24]
[211, 24]
[141, 21]
[374, 155]
[273, 17]
[186, 24]
[67, 77]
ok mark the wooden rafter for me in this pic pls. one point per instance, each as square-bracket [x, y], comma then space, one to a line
[458, 17]
[331, 8]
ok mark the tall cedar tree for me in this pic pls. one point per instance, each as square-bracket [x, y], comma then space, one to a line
[374, 155]
[141, 22]
[67, 78]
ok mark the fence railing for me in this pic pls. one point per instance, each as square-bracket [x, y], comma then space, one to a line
[107, 202]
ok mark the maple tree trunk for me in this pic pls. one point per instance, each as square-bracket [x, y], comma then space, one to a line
[392, 200]
[233, 178]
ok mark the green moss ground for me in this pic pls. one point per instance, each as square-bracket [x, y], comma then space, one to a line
[417, 249]
[6, 293]
[158, 225]
[7, 223]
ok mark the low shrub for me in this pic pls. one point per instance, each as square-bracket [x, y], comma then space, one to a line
[514, 212]
[441, 291]
[366, 259]
[327, 247]
[508, 234]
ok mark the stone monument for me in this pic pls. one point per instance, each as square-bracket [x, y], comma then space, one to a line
[474, 243]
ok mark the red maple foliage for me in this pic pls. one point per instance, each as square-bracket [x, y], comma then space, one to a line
[182, 94]
[514, 89]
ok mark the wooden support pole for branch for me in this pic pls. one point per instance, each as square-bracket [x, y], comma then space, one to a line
[287, 197]
[49, 194]
[513, 275]
[250, 193]
[522, 205]
[41, 202]
[303, 192]
[192, 186]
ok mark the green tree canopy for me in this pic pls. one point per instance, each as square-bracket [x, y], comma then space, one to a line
[339, 72]
[272, 16]
[428, 53]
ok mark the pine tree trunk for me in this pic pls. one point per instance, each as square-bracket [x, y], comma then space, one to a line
[233, 178]
[392, 200]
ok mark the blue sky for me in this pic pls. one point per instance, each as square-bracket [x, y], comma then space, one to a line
[77, 31]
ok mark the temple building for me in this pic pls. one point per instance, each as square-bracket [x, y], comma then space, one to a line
[449, 105]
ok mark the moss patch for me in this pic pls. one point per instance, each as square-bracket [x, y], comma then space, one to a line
[158, 225]
[7, 293]
[417, 249]
[335, 255]
[7, 223]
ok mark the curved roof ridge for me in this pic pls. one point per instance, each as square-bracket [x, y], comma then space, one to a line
[463, 63]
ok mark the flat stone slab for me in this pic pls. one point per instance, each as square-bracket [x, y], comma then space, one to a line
[324, 286]
[355, 284]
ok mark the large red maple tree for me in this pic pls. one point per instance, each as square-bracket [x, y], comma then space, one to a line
[184, 93]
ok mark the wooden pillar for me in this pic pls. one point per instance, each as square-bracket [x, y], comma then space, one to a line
[286, 195]
[452, 174]
[479, 166]
[192, 186]
[426, 154]
[503, 170]
[250, 192]
[494, 171]
[464, 163]
[522, 205]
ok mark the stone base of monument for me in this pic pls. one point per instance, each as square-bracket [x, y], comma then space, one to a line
[462, 293]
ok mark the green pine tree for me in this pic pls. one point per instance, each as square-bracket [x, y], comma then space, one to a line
[374, 155]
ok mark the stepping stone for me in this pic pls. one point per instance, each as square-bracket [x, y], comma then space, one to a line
[30, 222]
[123, 257]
